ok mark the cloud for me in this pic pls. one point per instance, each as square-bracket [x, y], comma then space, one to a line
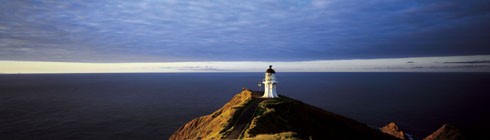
[320, 3]
[424, 64]
[470, 62]
[167, 31]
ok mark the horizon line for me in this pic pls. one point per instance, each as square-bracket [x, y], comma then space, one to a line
[473, 63]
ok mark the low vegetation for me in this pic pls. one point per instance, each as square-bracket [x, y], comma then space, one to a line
[278, 118]
[216, 125]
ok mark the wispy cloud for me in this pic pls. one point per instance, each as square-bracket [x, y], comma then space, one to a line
[163, 31]
[420, 64]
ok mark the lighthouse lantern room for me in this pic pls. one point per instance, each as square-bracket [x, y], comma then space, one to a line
[270, 84]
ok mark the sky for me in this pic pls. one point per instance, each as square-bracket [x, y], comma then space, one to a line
[288, 32]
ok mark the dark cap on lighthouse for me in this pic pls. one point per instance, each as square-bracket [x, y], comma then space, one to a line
[270, 70]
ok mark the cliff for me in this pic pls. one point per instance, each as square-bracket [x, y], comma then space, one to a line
[248, 116]
[394, 130]
[446, 132]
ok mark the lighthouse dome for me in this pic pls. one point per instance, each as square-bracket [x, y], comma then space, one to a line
[270, 70]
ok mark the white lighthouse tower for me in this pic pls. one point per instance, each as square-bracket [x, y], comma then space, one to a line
[270, 84]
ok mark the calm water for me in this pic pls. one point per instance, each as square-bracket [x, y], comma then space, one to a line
[152, 106]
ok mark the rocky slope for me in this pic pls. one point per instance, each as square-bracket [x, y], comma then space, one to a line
[446, 132]
[394, 130]
[217, 124]
[247, 116]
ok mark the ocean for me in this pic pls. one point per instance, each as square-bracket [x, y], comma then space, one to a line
[153, 105]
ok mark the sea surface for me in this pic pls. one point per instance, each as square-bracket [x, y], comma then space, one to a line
[152, 106]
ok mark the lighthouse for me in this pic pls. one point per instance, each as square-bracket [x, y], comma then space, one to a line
[270, 83]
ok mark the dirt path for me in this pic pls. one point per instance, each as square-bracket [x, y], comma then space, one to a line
[244, 119]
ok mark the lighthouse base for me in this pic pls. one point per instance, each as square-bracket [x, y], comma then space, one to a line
[270, 95]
